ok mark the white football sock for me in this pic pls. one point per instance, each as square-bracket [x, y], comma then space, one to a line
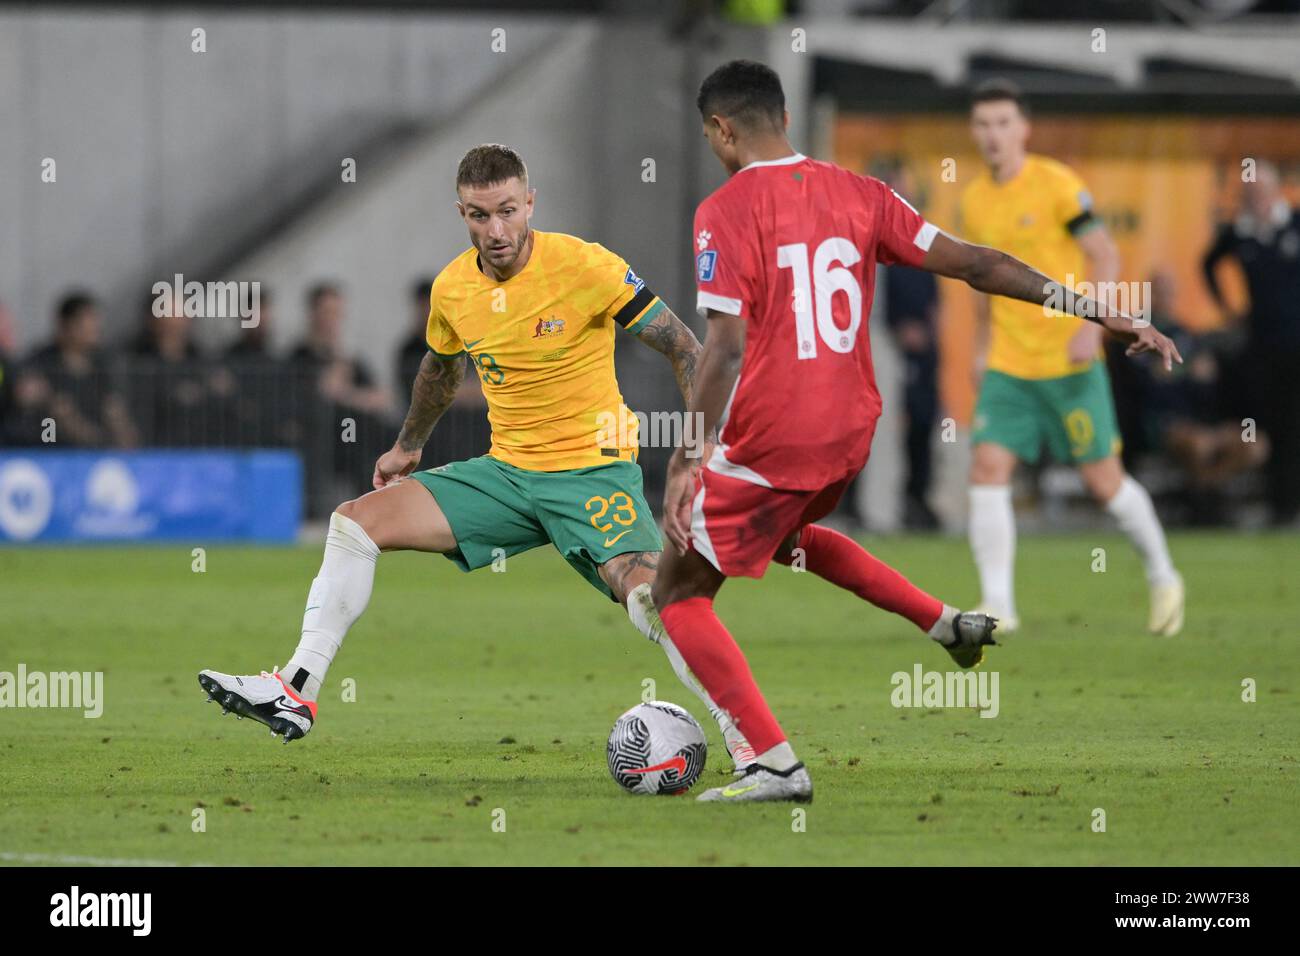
[337, 597]
[645, 617]
[1136, 515]
[993, 542]
[781, 757]
[941, 630]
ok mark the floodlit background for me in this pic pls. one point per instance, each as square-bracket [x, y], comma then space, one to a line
[460, 702]
[315, 148]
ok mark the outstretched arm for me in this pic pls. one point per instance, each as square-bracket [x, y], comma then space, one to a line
[435, 386]
[996, 273]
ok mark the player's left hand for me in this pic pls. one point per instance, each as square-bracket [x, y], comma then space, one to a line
[679, 490]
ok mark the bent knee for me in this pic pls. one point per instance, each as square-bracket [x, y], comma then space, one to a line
[356, 511]
[1103, 478]
[991, 469]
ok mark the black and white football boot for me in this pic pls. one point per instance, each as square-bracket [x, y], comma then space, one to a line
[972, 631]
[267, 698]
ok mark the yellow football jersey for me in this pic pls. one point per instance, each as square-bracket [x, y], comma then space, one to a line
[1035, 216]
[543, 345]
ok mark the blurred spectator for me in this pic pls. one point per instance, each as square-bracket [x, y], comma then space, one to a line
[1183, 412]
[178, 396]
[8, 373]
[463, 431]
[70, 381]
[269, 408]
[414, 347]
[1264, 239]
[342, 379]
[911, 312]
[344, 389]
[254, 340]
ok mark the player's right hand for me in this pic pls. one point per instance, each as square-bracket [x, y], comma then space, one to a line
[1147, 339]
[394, 464]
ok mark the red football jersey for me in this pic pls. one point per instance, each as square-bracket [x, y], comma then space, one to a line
[791, 246]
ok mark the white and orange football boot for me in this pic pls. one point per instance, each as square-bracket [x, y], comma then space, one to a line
[1167, 608]
[266, 698]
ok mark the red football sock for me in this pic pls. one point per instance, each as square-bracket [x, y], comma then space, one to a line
[842, 561]
[718, 664]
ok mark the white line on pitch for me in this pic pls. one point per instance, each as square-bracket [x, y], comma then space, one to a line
[9, 857]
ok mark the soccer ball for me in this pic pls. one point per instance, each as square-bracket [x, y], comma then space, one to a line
[656, 747]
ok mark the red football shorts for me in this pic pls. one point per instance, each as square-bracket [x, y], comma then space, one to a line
[737, 526]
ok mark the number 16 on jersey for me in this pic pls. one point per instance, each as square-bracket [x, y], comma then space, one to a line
[814, 289]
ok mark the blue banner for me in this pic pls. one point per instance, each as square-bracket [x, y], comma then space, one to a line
[198, 496]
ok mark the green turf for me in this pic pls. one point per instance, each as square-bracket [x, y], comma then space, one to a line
[486, 692]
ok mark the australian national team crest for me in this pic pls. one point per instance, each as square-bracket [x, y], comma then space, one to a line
[706, 259]
[548, 328]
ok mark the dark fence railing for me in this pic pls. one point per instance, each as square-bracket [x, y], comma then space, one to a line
[232, 403]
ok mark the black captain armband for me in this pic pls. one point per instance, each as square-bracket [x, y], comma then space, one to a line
[1082, 223]
[635, 306]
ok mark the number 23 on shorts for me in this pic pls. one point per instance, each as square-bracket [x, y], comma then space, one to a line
[624, 514]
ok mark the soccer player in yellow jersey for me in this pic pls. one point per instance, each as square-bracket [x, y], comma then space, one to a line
[1044, 381]
[536, 313]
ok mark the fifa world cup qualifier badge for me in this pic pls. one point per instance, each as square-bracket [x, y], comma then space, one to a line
[706, 259]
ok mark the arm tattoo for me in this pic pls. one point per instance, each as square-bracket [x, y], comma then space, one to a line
[670, 336]
[434, 388]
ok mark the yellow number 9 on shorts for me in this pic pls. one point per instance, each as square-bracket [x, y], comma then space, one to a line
[1079, 427]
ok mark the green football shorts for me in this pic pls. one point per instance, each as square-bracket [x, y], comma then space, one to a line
[497, 510]
[1074, 416]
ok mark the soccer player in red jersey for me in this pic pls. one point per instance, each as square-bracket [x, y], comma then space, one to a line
[785, 268]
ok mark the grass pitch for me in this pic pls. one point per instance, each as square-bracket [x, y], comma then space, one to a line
[485, 699]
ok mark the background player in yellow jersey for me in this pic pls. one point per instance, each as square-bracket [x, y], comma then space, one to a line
[1044, 381]
[536, 314]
